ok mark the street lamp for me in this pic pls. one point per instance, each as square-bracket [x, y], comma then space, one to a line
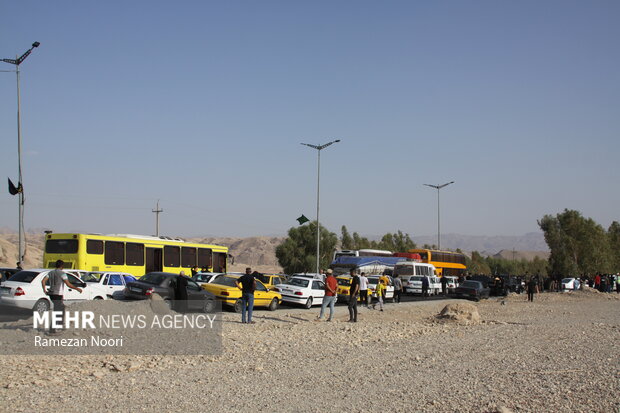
[318, 194]
[20, 185]
[438, 187]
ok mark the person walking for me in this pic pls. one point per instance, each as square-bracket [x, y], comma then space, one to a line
[398, 288]
[180, 293]
[331, 285]
[532, 286]
[364, 290]
[386, 282]
[58, 279]
[247, 284]
[379, 291]
[353, 294]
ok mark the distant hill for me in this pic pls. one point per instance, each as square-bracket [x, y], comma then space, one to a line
[488, 245]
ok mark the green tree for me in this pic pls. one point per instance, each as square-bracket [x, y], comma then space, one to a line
[397, 242]
[613, 235]
[298, 251]
[578, 245]
[346, 241]
[477, 264]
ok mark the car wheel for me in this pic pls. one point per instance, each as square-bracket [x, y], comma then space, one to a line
[98, 298]
[238, 306]
[273, 306]
[308, 303]
[41, 306]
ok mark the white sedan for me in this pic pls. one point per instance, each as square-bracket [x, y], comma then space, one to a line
[570, 284]
[304, 290]
[205, 277]
[23, 290]
[373, 280]
[107, 284]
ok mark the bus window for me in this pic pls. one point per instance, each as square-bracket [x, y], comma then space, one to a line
[219, 262]
[172, 256]
[61, 246]
[188, 257]
[204, 258]
[94, 246]
[135, 253]
[114, 253]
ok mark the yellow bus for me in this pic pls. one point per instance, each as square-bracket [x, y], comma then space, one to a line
[133, 254]
[445, 262]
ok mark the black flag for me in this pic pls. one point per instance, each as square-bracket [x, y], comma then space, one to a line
[14, 190]
[302, 219]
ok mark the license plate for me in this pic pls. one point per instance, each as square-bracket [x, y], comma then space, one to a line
[135, 289]
[5, 291]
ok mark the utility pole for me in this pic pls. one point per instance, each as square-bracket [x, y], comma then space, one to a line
[157, 211]
[438, 187]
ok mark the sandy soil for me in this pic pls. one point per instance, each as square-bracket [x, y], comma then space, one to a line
[558, 354]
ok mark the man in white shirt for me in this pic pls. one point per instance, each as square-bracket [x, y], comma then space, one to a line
[364, 289]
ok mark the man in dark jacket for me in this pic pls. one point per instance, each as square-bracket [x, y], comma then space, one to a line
[180, 293]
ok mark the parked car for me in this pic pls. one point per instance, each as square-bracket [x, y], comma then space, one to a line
[570, 284]
[162, 283]
[304, 290]
[413, 284]
[24, 290]
[473, 289]
[452, 283]
[205, 277]
[372, 286]
[6, 273]
[108, 284]
[225, 289]
[272, 281]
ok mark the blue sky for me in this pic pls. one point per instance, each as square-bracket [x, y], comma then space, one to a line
[204, 104]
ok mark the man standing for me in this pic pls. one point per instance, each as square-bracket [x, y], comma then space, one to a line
[353, 293]
[180, 293]
[424, 286]
[247, 284]
[532, 286]
[331, 284]
[444, 285]
[398, 288]
[364, 289]
[58, 279]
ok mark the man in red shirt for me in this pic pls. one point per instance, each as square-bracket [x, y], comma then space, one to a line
[331, 284]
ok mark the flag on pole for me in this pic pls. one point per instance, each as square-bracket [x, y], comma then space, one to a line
[14, 190]
[302, 219]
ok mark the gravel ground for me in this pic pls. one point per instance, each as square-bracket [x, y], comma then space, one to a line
[558, 354]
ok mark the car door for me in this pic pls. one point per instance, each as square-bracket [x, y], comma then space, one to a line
[195, 295]
[261, 295]
[318, 291]
[73, 295]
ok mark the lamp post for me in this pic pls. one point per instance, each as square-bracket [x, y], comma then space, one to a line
[20, 186]
[438, 187]
[319, 148]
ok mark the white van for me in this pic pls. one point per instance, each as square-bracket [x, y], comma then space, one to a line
[411, 274]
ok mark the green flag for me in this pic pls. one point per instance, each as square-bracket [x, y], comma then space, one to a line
[302, 219]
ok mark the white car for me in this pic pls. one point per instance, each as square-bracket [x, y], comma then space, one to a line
[303, 289]
[452, 283]
[107, 284]
[372, 286]
[23, 290]
[205, 277]
[570, 284]
[413, 284]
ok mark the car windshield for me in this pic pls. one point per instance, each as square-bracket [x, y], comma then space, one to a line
[227, 281]
[373, 280]
[204, 278]
[153, 278]
[471, 284]
[403, 270]
[24, 276]
[299, 282]
[567, 280]
[91, 277]
[344, 281]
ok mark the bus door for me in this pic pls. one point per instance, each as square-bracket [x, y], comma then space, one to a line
[154, 261]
